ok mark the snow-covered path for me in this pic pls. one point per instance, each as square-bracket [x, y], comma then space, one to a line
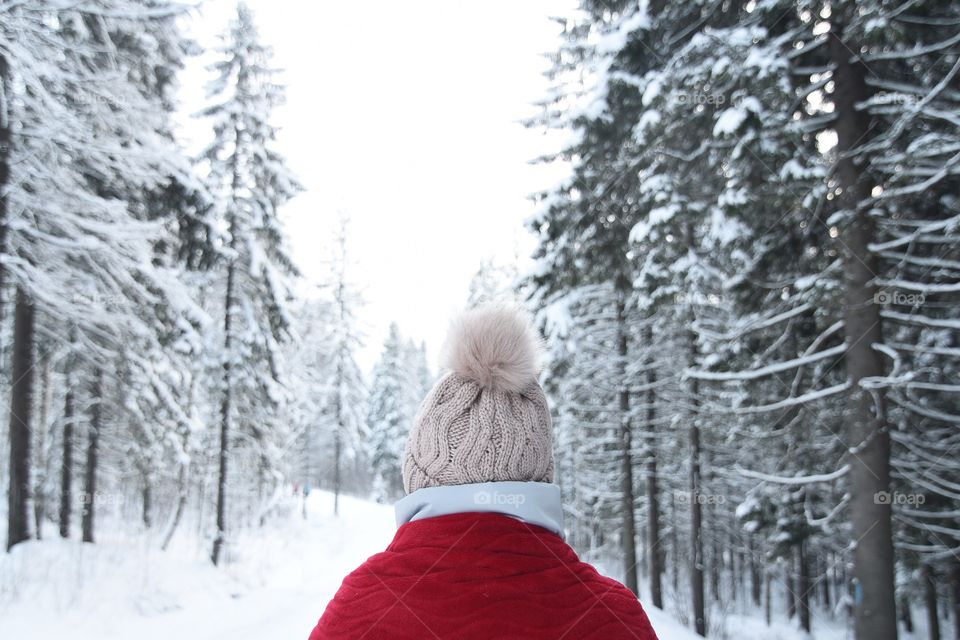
[274, 587]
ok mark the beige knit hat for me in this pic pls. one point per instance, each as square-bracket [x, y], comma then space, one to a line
[486, 420]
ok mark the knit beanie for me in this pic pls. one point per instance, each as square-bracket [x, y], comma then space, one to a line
[486, 419]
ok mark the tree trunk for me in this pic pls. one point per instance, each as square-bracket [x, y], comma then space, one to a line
[755, 576]
[6, 147]
[43, 444]
[903, 610]
[803, 582]
[66, 470]
[93, 447]
[337, 446]
[930, 602]
[225, 411]
[696, 514]
[736, 566]
[791, 589]
[654, 552]
[869, 439]
[43, 433]
[955, 592]
[767, 613]
[716, 558]
[21, 405]
[674, 547]
[147, 495]
[629, 532]
[825, 585]
[181, 505]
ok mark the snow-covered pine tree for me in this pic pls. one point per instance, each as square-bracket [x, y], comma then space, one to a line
[345, 414]
[389, 414]
[76, 247]
[310, 359]
[421, 379]
[251, 182]
[711, 129]
[492, 283]
[599, 211]
[907, 195]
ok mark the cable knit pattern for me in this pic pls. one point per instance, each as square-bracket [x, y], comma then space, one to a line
[480, 576]
[465, 433]
[487, 419]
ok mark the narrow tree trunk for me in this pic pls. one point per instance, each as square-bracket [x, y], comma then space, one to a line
[674, 547]
[337, 446]
[654, 552]
[21, 405]
[93, 447]
[767, 610]
[629, 531]
[341, 363]
[6, 147]
[825, 586]
[716, 558]
[66, 470]
[696, 514]
[804, 586]
[225, 416]
[930, 602]
[183, 489]
[42, 461]
[906, 616]
[869, 439]
[147, 495]
[955, 593]
[755, 576]
[181, 505]
[791, 588]
[736, 567]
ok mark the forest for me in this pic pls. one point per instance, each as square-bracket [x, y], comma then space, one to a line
[747, 283]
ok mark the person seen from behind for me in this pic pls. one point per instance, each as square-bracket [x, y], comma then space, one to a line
[479, 552]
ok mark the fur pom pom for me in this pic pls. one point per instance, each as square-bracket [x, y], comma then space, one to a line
[495, 346]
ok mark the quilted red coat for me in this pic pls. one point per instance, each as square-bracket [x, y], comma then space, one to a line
[480, 576]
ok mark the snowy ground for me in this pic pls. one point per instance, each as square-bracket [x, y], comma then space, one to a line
[275, 586]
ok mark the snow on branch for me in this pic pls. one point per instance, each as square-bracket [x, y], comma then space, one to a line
[755, 323]
[792, 401]
[912, 318]
[752, 374]
[795, 480]
[936, 225]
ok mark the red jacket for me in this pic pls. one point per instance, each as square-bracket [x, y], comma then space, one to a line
[480, 576]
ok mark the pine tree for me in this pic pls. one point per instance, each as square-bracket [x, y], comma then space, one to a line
[77, 248]
[755, 171]
[347, 391]
[251, 182]
[389, 414]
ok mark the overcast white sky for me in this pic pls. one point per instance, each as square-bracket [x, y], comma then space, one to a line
[405, 116]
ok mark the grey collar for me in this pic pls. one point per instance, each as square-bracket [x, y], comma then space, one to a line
[532, 502]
